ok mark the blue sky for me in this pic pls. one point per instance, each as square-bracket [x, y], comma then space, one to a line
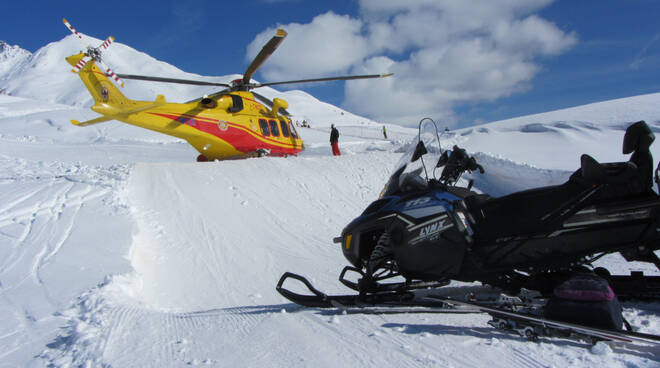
[457, 61]
[617, 55]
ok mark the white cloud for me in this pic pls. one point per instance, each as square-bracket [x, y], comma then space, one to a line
[442, 53]
[330, 44]
[531, 36]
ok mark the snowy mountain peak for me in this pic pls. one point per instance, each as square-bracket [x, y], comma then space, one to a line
[11, 57]
[8, 51]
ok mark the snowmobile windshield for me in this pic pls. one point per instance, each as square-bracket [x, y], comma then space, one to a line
[417, 164]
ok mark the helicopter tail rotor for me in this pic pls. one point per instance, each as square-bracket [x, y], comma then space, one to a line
[81, 64]
[93, 53]
[108, 41]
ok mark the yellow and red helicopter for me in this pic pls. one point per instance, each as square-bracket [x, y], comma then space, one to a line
[230, 124]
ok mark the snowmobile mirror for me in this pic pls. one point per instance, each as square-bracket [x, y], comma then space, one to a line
[420, 150]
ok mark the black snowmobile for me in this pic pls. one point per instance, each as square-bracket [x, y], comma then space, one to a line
[426, 230]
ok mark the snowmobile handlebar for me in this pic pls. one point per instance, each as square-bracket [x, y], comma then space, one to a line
[456, 164]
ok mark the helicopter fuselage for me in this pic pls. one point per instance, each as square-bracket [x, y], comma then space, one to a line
[218, 134]
[223, 126]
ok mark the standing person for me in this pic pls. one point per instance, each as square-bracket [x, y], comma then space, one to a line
[334, 140]
[384, 132]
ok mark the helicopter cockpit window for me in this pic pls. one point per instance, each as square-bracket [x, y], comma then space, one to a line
[274, 130]
[294, 134]
[263, 124]
[285, 128]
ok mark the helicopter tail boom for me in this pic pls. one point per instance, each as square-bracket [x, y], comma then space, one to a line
[99, 85]
[108, 100]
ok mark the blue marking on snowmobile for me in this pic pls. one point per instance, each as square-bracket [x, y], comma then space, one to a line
[425, 211]
[448, 199]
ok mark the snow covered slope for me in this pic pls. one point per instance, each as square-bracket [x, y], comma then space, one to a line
[117, 250]
[555, 140]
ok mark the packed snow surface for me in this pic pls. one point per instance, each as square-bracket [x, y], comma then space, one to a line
[116, 249]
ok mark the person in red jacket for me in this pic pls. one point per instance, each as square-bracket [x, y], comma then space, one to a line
[334, 140]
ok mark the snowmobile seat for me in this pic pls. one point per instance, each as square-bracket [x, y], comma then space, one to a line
[609, 173]
[517, 213]
[618, 178]
[526, 212]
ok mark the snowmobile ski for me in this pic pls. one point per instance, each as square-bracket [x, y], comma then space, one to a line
[319, 299]
[390, 302]
[532, 327]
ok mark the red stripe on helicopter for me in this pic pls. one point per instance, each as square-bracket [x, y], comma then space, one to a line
[242, 138]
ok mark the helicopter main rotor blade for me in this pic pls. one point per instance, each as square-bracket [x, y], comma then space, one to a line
[350, 77]
[265, 52]
[170, 80]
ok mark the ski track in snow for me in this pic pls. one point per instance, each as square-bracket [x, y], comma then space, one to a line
[286, 336]
[39, 213]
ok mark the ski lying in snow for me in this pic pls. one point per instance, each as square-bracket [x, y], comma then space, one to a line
[532, 327]
[432, 306]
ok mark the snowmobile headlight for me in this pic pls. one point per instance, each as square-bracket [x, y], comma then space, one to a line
[346, 241]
